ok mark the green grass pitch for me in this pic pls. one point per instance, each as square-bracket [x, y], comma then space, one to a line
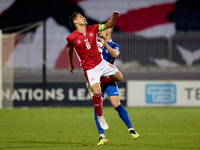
[73, 128]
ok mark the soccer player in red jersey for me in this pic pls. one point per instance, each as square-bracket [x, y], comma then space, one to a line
[84, 42]
[111, 50]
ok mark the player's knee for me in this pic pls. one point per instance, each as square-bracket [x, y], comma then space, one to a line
[97, 92]
[119, 76]
[115, 101]
[96, 88]
[115, 105]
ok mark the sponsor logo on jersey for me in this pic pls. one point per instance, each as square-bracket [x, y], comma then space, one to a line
[86, 40]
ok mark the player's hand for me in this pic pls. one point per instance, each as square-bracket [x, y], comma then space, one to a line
[71, 68]
[102, 40]
[115, 14]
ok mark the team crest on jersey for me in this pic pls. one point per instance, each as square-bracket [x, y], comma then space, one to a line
[86, 40]
[91, 34]
[79, 42]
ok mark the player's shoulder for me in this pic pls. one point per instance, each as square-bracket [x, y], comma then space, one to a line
[114, 44]
[72, 35]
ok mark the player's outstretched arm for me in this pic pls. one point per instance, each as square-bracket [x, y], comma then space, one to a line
[112, 21]
[70, 59]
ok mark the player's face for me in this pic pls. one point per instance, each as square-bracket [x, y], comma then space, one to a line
[104, 33]
[81, 20]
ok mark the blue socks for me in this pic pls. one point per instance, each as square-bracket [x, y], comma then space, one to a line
[123, 114]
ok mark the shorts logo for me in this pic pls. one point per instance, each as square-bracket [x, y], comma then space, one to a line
[160, 93]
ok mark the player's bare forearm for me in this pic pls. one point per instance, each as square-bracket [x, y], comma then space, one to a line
[70, 59]
[113, 52]
[112, 21]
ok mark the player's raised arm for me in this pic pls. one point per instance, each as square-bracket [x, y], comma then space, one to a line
[70, 59]
[111, 22]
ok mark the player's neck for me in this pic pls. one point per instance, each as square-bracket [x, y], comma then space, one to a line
[81, 29]
[108, 38]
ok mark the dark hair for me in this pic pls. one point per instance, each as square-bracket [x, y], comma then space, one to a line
[72, 18]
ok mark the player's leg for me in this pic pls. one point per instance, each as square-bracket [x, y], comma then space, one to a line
[113, 93]
[117, 76]
[113, 78]
[110, 71]
[123, 114]
[97, 98]
[98, 105]
[102, 137]
[93, 78]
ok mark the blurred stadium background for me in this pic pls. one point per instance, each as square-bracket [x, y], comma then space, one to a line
[159, 41]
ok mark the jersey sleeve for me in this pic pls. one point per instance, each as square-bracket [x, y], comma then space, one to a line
[116, 46]
[69, 43]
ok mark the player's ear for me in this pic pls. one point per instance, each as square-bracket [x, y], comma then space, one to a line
[75, 21]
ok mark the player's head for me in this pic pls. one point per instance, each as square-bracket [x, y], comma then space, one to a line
[77, 19]
[107, 31]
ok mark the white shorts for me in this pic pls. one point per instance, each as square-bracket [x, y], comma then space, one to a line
[103, 69]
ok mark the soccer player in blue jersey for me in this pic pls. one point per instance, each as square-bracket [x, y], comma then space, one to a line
[110, 52]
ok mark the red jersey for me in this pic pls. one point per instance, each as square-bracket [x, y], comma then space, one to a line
[86, 47]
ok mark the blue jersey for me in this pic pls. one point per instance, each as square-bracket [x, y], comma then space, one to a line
[106, 54]
[111, 89]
